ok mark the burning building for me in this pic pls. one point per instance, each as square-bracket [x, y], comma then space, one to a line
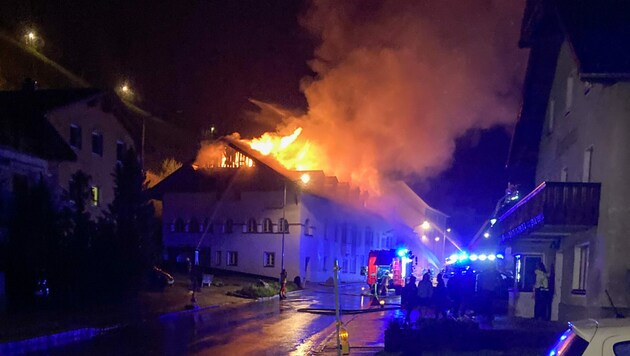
[238, 209]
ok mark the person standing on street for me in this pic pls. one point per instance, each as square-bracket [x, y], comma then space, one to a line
[408, 297]
[541, 293]
[283, 284]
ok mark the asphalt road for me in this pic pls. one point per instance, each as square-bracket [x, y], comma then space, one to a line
[269, 327]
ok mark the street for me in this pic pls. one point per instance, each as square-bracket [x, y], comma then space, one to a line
[268, 327]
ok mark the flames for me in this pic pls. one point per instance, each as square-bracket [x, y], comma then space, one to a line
[292, 151]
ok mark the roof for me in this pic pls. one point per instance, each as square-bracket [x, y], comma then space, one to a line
[23, 126]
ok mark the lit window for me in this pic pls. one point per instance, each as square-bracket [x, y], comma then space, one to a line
[97, 143]
[580, 268]
[232, 258]
[120, 151]
[217, 258]
[267, 225]
[269, 259]
[95, 193]
[75, 136]
[586, 168]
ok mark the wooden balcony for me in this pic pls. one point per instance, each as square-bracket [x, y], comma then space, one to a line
[552, 209]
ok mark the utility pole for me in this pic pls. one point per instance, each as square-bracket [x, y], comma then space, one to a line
[336, 286]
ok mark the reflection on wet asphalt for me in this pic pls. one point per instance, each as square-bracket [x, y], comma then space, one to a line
[269, 327]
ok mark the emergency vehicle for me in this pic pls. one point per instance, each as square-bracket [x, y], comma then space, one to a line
[395, 264]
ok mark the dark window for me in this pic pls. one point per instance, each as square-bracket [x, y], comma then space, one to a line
[269, 259]
[121, 149]
[75, 136]
[232, 258]
[179, 225]
[193, 225]
[525, 275]
[622, 348]
[217, 258]
[97, 143]
[283, 225]
[228, 228]
[252, 226]
[267, 225]
[208, 226]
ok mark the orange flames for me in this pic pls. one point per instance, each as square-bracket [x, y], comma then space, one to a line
[288, 150]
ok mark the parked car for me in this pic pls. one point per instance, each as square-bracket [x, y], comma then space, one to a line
[604, 337]
[161, 278]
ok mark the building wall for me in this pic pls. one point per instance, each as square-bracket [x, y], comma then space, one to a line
[90, 117]
[314, 241]
[598, 120]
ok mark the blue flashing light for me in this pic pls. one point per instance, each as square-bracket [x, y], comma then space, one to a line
[482, 257]
[473, 257]
[453, 257]
[402, 252]
[462, 257]
[491, 257]
[500, 256]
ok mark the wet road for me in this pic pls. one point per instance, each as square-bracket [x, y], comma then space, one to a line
[260, 328]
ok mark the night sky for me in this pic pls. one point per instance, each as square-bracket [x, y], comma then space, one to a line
[197, 63]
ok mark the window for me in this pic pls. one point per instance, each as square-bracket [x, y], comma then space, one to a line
[308, 231]
[564, 174]
[217, 258]
[267, 225]
[353, 265]
[325, 264]
[369, 237]
[344, 233]
[269, 259]
[193, 225]
[551, 108]
[622, 348]
[95, 195]
[586, 167]
[97, 143]
[580, 268]
[228, 227]
[121, 149]
[283, 225]
[525, 265]
[232, 258]
[179, 225]
[569, 98]
[344, 265]
[75, 136]
[252, 226]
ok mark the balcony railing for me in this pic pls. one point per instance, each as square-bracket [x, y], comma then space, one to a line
[558, 207]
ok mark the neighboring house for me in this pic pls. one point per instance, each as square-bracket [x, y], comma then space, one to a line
[237, 214]
[31, 152]
[573, 141]
[85, 119]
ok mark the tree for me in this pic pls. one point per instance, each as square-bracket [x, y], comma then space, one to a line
[131, 215]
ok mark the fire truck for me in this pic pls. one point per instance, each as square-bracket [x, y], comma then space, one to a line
[395, 264]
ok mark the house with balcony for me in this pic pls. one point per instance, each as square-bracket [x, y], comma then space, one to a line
[247, 213]
[571, 145]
